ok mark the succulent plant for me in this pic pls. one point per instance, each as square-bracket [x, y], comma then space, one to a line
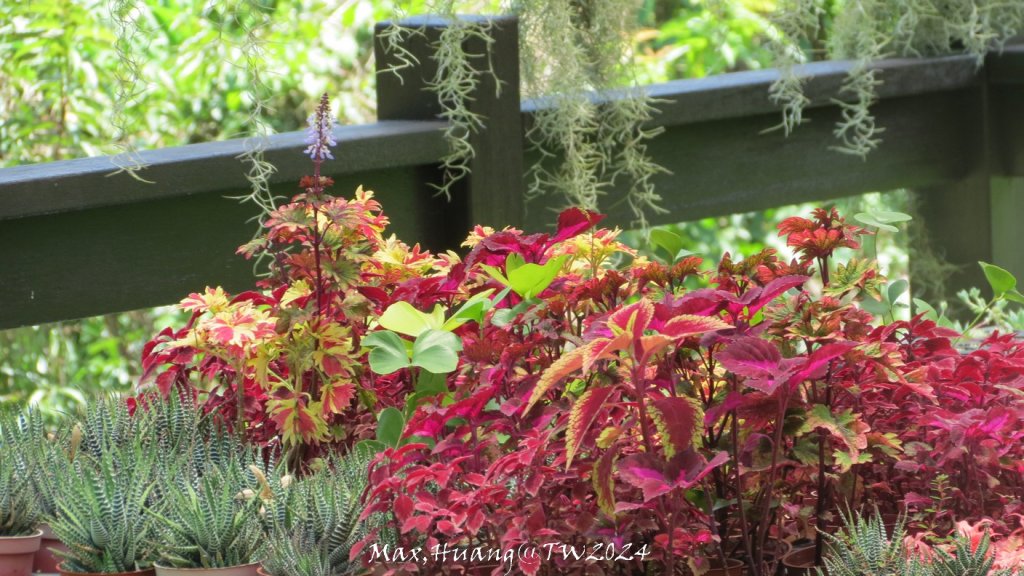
[864, 549]
[40, 452]
[102, 515]
[319, 521]
[208, 521]
[19, 512]
[967, 560]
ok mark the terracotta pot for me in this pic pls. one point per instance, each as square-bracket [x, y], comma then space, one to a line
[46, 560]
[262, 571]
[244, 570]
[17, 554]
[733, 567]
[146, 572]
[800, 562]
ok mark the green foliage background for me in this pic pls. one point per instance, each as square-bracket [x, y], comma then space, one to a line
[64, 77]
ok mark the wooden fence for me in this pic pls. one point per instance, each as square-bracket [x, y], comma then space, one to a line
[78, 241]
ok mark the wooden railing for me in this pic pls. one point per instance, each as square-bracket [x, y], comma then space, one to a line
[78, 241]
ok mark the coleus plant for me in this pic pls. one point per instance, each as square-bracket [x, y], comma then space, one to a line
[284, 362]
[556, 391]
[634, 406]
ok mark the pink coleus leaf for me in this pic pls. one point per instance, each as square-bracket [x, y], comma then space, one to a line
[644, 471]
[689, 468]
[751, 358]
[755, 299]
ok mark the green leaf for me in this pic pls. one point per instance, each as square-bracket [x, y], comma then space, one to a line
[896, 289]
[436, 351]
[403, 318]
[668, 241]
[882, 219]
[999, 279]
[529, 280]
[473, 310]
[388, 352]
[1014, 296]
[526, 280]
[429, 383]
[370, 446]
[929, 311]
[390, 424]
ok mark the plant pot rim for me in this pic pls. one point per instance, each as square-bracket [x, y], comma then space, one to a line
[63, 572]
[161, 567]
[25, 544]
[797, 558]
[37, 534]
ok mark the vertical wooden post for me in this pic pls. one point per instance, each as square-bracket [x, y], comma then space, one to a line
[958, 216]
[493, 192]
[980, 217]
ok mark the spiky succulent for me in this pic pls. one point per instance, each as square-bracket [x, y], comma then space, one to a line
[319, 520]
[42, 453]
[106, 423]
[210, 522]
[19, 512]
[864, 549]
[965, 561]
[102, 513]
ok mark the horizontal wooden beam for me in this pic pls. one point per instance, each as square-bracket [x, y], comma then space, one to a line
[724, 158]
[745, 94]
[86, 183]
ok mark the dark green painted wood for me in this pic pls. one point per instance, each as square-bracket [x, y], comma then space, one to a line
[86, 183]
[729, 166]
[1008, 224]
[492, 193]
[127, 256]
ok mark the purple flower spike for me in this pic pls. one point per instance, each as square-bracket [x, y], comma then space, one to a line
[318, 135]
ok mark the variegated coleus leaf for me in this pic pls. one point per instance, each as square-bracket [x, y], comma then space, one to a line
[678, 421]
[581, 417]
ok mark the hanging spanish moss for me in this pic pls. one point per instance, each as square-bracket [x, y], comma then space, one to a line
[130, 88]
[570, 50]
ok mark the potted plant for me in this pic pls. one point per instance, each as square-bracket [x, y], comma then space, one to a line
[319, 521]
[102, 514]
[41, 453]
[19, 536]
[210, 524]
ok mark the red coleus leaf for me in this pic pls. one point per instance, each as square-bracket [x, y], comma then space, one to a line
[559, 369]
[575, 221]
[529, 563]
[582, 415]
[677, 420]
[403, 508]
[420, 523]
[751, 358]
[603, 349]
